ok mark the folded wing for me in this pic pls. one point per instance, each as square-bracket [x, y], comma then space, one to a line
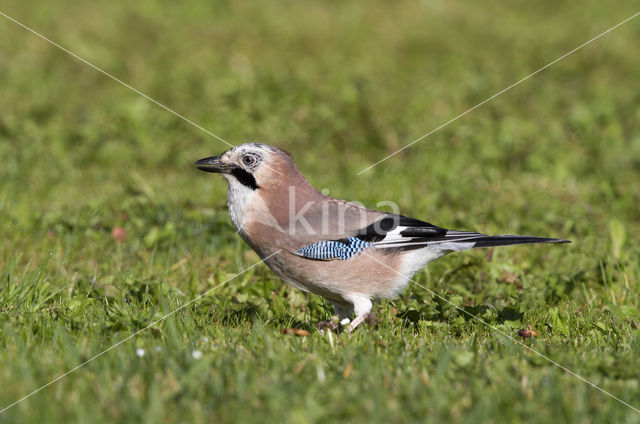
[397, 233]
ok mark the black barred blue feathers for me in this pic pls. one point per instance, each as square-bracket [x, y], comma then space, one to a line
[330, 249]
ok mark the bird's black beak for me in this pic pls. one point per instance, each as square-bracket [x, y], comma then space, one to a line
[213, 164]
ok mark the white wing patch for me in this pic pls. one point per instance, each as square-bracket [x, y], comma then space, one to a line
[394, 238]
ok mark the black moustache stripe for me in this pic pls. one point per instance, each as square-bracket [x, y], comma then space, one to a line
[245, 178]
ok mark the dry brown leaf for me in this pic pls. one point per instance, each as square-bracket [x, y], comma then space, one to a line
[511, 278]
[295, 331]
[347, 370]
[528, 332]
[119, 234]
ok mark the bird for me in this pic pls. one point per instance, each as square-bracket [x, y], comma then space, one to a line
[346, 253]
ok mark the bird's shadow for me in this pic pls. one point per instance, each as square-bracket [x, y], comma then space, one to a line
[411, 317]
[249, 313]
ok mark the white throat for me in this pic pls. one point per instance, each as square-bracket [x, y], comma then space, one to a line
[239, 196]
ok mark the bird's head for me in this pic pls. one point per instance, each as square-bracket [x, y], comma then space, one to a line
[263, 176]
[252, 165]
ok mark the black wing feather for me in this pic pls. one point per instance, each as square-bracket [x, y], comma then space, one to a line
[379, 229]
[417, 234]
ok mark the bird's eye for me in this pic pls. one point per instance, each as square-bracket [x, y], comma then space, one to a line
[248, 160]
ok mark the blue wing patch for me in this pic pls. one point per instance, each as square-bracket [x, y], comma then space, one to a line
[329, 249]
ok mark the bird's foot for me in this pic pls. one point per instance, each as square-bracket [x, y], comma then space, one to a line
[335, 324]
[331, 325]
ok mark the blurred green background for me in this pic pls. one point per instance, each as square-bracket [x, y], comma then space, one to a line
[339, 85]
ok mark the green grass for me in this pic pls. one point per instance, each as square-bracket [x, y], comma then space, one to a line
[340, 85]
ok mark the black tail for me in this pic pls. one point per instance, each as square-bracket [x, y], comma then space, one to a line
[506, 240]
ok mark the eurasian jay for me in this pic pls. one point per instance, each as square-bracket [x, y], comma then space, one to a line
[344, 252]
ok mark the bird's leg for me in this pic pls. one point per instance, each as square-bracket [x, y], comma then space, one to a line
[362, 307]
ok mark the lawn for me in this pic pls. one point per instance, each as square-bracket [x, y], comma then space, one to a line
[106, 226]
